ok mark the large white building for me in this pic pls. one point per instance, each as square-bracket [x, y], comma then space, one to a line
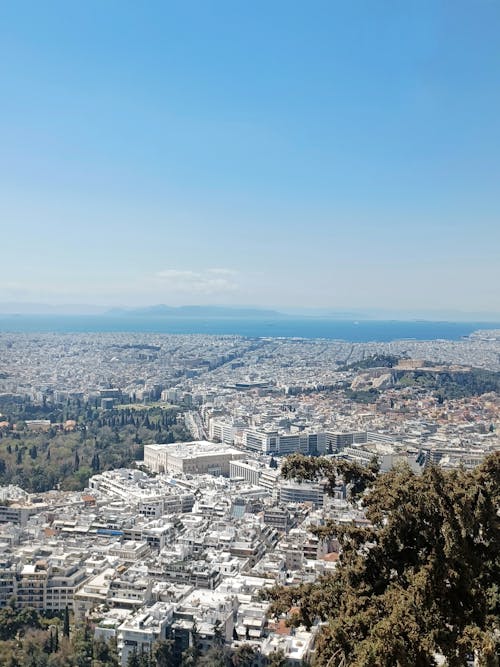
[337, 440]
[194, 458]
[284, 443]
[221, 431]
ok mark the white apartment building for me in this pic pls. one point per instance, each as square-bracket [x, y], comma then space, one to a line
[19, 512]
[141, 631]
[41, 585]
[152, 497]
[304, 492]
[129, 551]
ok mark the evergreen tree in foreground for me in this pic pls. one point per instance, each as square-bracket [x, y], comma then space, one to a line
[422, 580]
[66, 622]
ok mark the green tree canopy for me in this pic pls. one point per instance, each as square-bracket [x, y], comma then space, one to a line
[244, 656]
[422, 579]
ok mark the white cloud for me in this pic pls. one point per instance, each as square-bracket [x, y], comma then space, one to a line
[210, 281]
[174, 274]
[221, 272]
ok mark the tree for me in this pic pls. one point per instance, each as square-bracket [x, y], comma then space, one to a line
[145, 658]
[76, 464]
[244, 656]
[105, 653]
[277, 658]
[214, 657]
[133, 659]
[49, 646]
[163, 655]
[13, 620]
[421, 580]
[188, 658]
[66, 622]
[32, 649]
[13, 661]
[96, 464]
[82, 646]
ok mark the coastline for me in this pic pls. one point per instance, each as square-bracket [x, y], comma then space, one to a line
[296, 327]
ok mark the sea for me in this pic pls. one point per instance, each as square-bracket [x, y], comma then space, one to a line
[297, 327]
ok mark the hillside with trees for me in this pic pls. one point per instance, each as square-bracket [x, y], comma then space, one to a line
[372, 361]
[82, 440]
[452, 385]
[444, 382]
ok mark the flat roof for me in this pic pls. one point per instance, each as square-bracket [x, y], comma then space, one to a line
[194, 449]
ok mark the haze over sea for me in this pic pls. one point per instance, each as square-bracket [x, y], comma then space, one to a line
[305, 327]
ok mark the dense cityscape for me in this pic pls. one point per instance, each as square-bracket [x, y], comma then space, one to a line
[165, 548]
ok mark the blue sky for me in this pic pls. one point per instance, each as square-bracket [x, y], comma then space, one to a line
[327, 154]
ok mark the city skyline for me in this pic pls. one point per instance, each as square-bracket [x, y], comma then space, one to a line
[332, 157]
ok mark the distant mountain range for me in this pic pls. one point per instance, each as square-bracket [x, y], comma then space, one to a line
[160, 310]
[193, 311]
[242, 312]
